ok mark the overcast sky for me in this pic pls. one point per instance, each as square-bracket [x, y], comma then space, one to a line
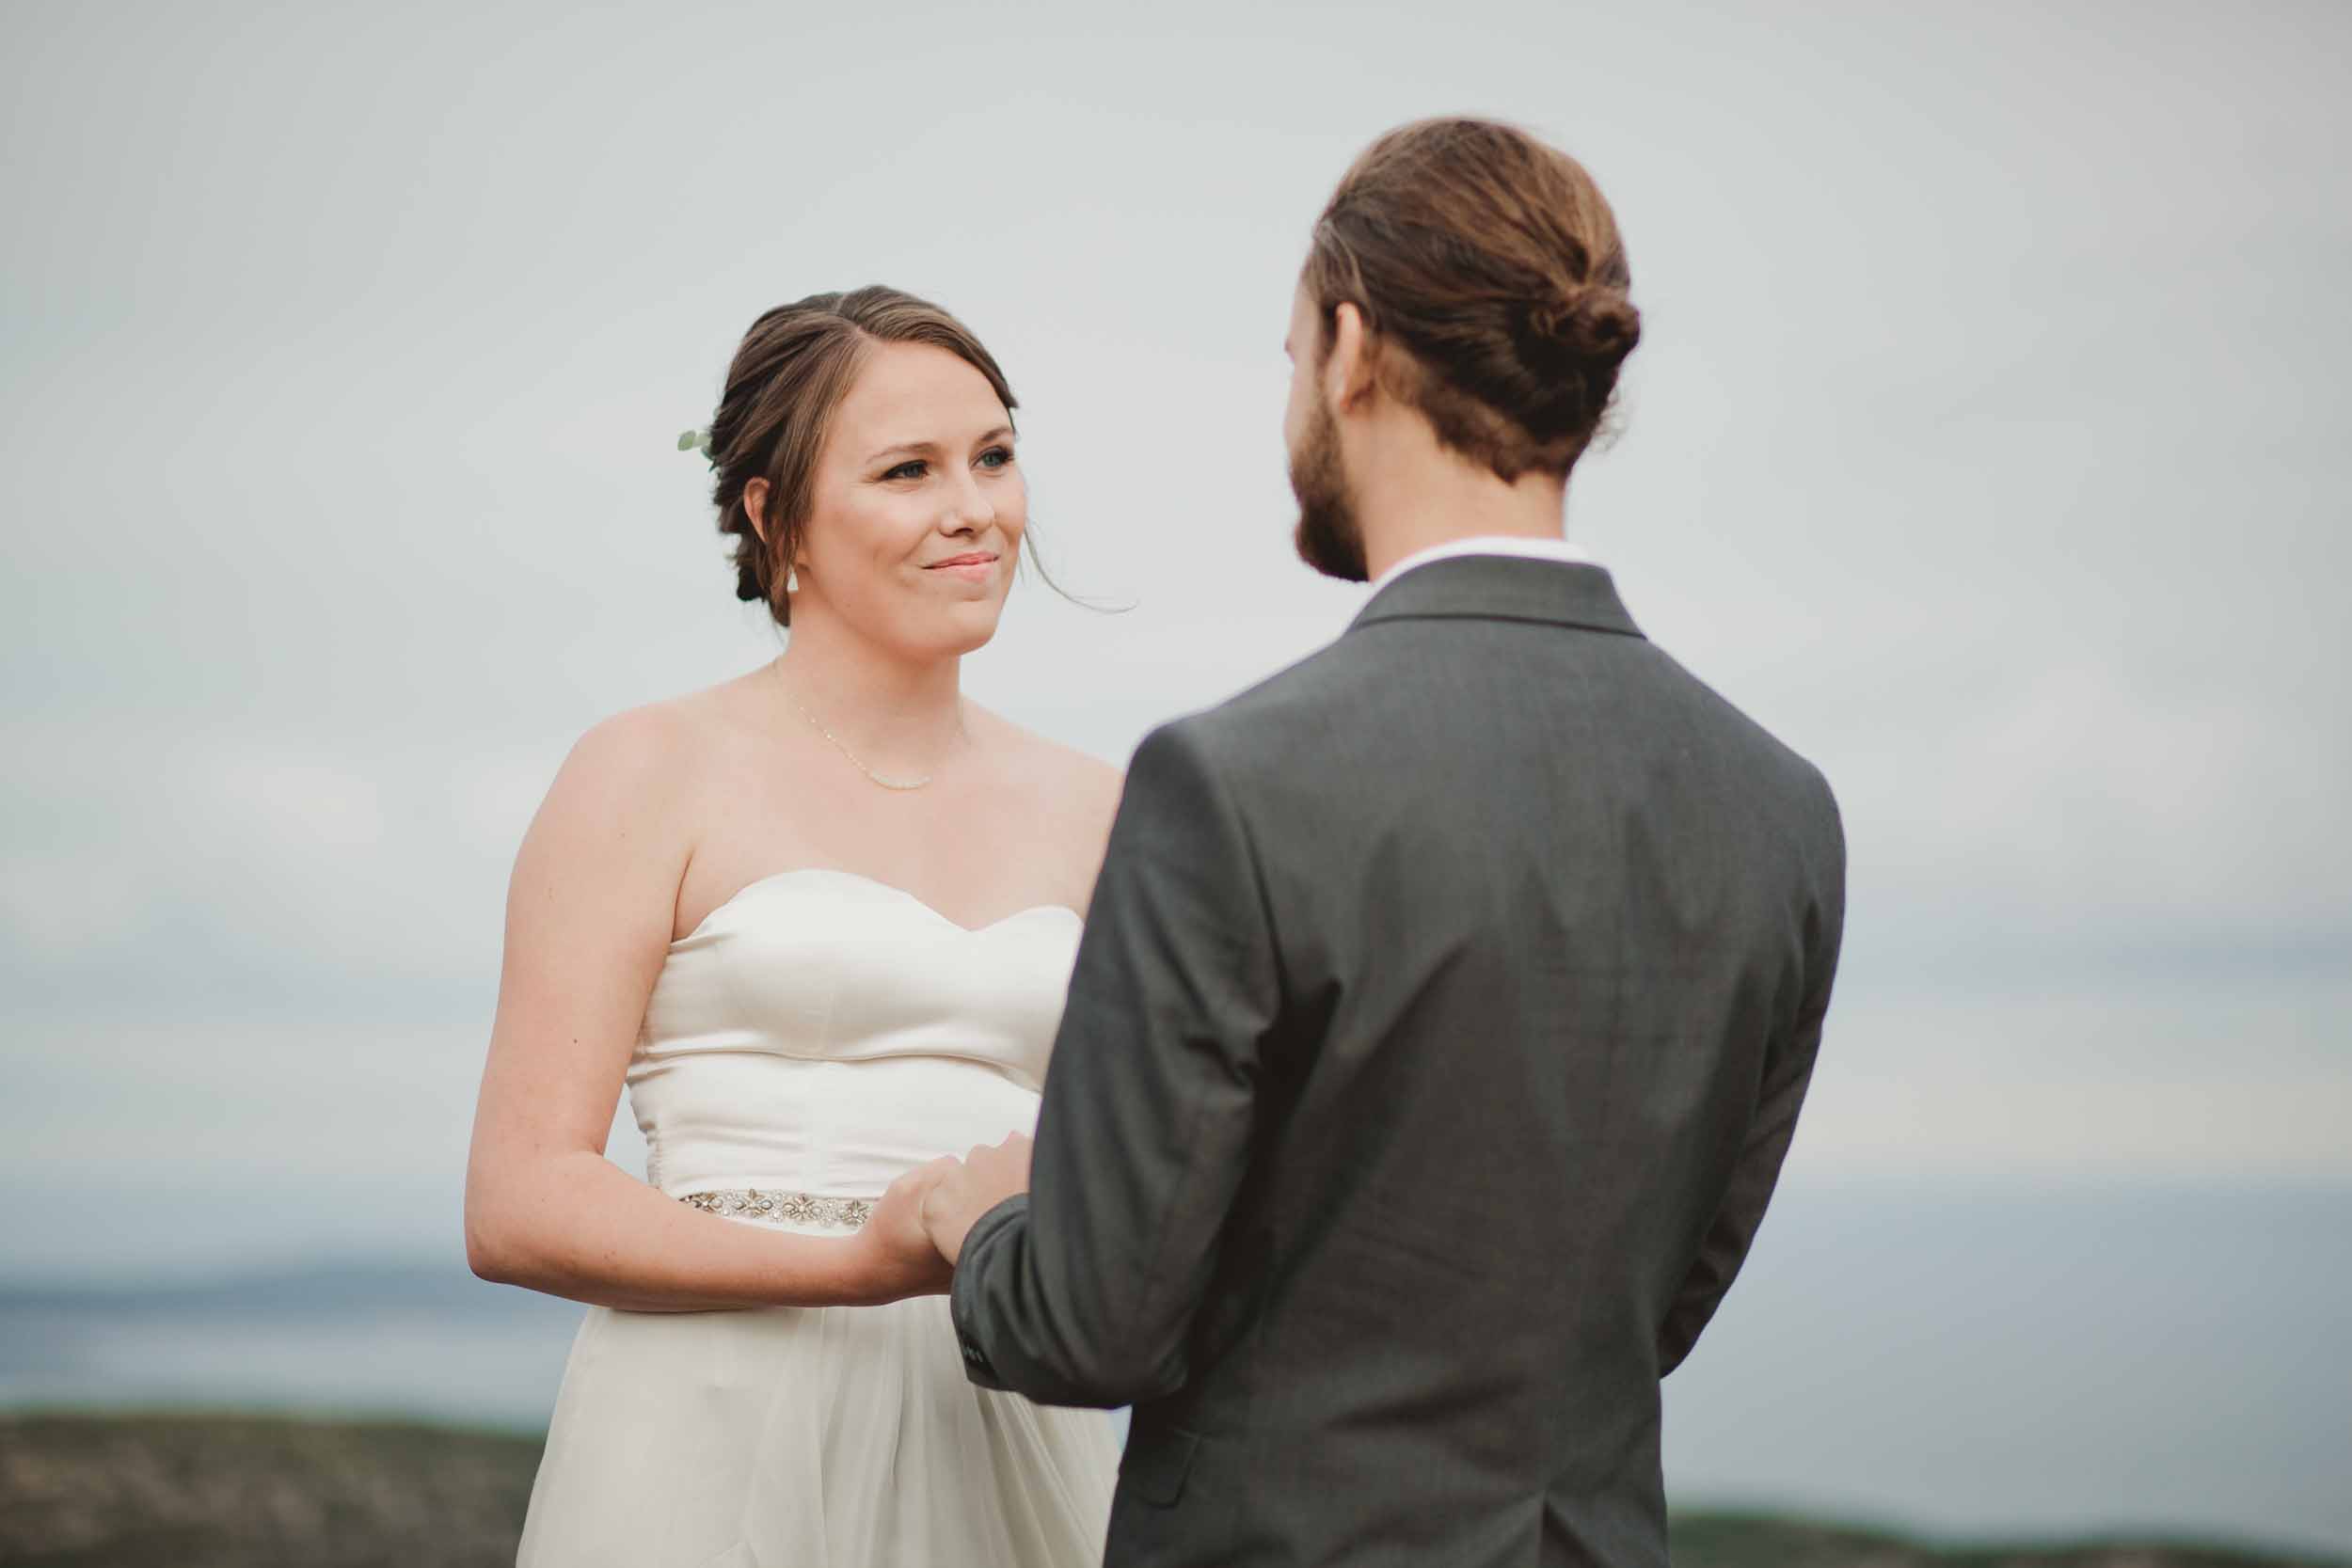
[1986, 441]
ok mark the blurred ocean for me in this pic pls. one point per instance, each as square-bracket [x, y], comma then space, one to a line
[1997, 1362]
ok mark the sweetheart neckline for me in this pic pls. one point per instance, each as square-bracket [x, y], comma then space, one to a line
[919, 902]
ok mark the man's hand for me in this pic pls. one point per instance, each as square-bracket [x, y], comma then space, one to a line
[970, 1188]
[899, 1256]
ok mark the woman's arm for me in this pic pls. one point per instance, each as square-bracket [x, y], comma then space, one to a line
[589, 917]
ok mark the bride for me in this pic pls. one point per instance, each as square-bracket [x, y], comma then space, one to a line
[818, 919]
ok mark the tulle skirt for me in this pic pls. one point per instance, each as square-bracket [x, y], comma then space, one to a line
[808, 1438]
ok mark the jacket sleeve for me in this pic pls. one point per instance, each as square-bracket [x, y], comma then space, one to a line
[1787, 1072]
[1084, 1291]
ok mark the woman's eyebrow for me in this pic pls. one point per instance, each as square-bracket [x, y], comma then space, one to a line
[926, 449]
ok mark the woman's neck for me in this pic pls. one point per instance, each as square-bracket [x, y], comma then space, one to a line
[905, 713]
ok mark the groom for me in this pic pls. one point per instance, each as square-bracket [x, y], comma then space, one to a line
[1446, 1002]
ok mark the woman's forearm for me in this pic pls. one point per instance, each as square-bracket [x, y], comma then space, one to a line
[580, 1227]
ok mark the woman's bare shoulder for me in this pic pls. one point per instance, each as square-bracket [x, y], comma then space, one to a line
[639, 747]
[642, 763]
[1073, 776]
[1076, 792]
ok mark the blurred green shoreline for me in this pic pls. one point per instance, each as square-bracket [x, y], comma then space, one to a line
[133, 1488]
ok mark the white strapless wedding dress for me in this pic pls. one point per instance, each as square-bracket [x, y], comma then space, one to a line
[819, 1034]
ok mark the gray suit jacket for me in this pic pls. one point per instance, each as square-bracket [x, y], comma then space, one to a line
[1437, 1032]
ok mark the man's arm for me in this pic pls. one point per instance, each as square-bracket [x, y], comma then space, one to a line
[1083, 1291]
[1787, 1072]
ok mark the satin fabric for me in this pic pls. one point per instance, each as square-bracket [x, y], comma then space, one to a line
[822, 1033]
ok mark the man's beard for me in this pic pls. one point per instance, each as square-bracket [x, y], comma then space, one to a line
[1329, 536]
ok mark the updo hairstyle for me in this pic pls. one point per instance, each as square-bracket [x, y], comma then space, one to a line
[794, 367]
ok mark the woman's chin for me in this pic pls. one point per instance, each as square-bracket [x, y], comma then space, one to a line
[965, 629]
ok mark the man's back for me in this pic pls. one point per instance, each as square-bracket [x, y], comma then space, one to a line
[1445, 1003]
[1552, 929]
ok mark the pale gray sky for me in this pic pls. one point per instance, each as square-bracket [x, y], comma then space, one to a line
[1984, 441]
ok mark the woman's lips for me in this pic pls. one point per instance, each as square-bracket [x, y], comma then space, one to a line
[971, 568]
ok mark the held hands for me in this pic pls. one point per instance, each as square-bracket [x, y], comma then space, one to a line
[961, 1191]
[916, 1230]
[902, 1260]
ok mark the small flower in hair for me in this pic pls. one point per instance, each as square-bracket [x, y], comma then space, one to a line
[695, 440]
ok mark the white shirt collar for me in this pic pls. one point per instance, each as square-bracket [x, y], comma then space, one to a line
[1488, 544]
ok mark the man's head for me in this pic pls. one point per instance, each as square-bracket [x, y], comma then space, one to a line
[1467, 273]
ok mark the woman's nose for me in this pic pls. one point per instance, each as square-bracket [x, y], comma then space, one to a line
[970, 510]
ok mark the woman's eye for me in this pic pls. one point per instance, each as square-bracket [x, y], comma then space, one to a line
[996, 457]
[911, 468]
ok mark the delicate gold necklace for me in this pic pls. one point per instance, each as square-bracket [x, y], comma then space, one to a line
[854, 760]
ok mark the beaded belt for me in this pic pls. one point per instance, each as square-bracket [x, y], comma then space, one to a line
[759, 1203]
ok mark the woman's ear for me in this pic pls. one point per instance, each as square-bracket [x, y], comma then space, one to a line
[755, 506]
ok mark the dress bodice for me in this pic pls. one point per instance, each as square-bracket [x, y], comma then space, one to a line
[821, 1032]
[817, 1035]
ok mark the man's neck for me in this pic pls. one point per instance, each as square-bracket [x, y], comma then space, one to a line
[1412, 495]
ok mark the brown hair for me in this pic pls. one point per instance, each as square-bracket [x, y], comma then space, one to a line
[793, 368]
[1492, 262]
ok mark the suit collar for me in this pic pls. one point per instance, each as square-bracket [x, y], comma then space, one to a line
[1503, 588]
[1548, 548]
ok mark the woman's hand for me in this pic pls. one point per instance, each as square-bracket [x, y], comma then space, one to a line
[896, 1251]
[954, 1200]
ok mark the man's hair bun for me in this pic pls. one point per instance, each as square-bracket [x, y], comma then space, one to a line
[1490, 263]
[1601, 326]
[1592, 330]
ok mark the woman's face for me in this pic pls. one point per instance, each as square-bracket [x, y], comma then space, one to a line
[917, 509]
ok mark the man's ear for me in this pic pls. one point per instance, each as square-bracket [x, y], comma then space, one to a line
[1348, 371]
[755, 506]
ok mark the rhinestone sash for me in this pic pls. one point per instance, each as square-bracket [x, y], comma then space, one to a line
[759, 1203]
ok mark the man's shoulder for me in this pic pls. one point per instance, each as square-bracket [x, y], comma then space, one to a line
[1351, 701]
[1764, 752]
[1269, 719]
